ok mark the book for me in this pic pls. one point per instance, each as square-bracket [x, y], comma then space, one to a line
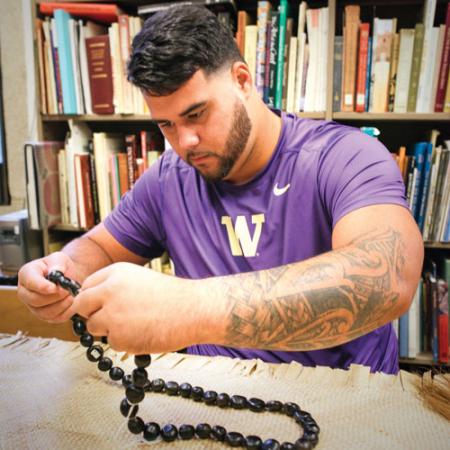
[383, 34]
[83, 191]
[100, 74]
[251, 36]
[282, 22]
[42, 183]
[154, 7]
[264, 9]
[104, 12]
[393, 72]
[368, 76]
[301, 44]
[66, 63]
[291, 75]
[442, 321]
[337, 73]
[415, 67]
[436, 67]
[404, 69]
[352, 22]
[274, 28]
[444, 66]
[414, 323]
[364, 30]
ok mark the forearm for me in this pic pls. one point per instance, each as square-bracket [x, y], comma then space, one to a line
[318, 303]
[87, 255]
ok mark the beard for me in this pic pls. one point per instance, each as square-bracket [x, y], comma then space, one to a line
[234, 145]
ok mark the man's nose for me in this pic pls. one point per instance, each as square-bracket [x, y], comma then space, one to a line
[187, 137]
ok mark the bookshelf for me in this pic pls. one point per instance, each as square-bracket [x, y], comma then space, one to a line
[397, 128]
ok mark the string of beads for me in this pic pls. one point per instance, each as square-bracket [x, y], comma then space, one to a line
[137, 384]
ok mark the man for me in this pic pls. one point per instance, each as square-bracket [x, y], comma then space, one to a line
[291, 238]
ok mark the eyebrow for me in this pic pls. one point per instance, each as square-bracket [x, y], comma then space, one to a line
[188, 110]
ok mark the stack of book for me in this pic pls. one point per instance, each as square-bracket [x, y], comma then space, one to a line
[390, 71]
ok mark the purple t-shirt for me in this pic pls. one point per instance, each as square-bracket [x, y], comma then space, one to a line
[318, 173]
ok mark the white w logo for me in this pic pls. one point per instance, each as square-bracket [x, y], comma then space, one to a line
[241, 243]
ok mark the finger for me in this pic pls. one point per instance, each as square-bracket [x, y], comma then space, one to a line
[97, 325]
[97, 278]
[32, 278]
[54, 313]
[90, 300]
[37, 300]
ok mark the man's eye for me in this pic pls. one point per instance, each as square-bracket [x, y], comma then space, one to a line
[196, 115]
[165, 124]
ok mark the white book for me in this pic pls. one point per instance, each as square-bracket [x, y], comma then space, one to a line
[63, 194]
[445, 206]
[322, 61]
[437, 66]
[292, 72]
[74, 49]
[77, 142]
[431, 192]
[138, 99]
[414, 324]
[404, 69]
[116, 65]
[301, 18]
[251, 36]
[88, 30]
[264, 9]
[312, 23]
[301, 44]
[427, 70]
[32, 194]
[124, 52]
[105, 144]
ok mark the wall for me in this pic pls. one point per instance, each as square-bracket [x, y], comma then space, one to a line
[18, 90]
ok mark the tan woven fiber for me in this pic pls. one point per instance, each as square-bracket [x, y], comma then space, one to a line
[51, 397]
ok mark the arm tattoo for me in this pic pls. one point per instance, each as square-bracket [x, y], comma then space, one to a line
[321, 302]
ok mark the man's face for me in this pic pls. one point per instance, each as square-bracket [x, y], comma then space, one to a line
[206, 123]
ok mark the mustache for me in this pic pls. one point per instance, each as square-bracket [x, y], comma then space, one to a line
[199, 154]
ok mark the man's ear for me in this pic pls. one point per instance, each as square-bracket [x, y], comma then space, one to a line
[242, 78]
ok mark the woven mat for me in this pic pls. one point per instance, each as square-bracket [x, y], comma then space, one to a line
[51, 397]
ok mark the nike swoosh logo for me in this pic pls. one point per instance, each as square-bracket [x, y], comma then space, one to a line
[280, 191]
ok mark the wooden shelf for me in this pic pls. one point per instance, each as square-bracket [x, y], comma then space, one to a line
[423, 359]
[62, 227]
[392, 116]
[440, 245]
[98, 118]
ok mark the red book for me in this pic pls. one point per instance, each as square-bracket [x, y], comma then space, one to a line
[100, 74]
[443, 70]
[364, 29]
[442, 321]
[105, 12]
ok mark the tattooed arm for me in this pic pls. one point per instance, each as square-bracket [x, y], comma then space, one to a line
[366, 281]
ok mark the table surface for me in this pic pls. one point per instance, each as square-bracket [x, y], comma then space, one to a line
[52, 397]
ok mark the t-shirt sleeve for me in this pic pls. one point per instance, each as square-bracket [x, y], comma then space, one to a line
[136, 221]
[358, 171]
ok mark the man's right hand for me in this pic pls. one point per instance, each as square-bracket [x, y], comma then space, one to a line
[43, 298]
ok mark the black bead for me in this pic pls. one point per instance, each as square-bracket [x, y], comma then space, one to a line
[151, 431]
[116, 373]
[104, 364]
[171, 388]
[94, 353]
[147, 386]
[104, 339]
[203, 430]
[311, 427]
[302, 416]
[134, 394]
[169, 432]
[234, 439]
[274, 406]
[78, 327]
[142, 361]
[302, 444]
[238, 402]
[197, 394]
[127, 381]
[124, 407]
[270, 444]
[133, 412]
[290, 408]
[136, 425]
[218, 433]
[139, 377]
[287, 446]
[86, 340]
[253, 442]
[256, 404]
[186, 432]
[157, 385]
[185, 390]
[210, 397]
[310, 436]
[223, 400]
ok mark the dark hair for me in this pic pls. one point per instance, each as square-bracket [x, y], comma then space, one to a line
[176, 42]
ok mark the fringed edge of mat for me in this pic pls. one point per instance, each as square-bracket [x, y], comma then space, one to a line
[357, 376]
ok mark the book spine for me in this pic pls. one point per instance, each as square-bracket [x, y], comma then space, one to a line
[403, 69]
[364, 30]
[442, 321]
[393, 71]
[283, 9]
[415, 67]
[266, 87]
[94, 188]
[263, 17]
[274, 25]
[444, 67]
[337, 74]
[130, 143]
[426, 184]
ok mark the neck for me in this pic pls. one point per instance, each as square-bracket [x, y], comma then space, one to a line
[266, 131]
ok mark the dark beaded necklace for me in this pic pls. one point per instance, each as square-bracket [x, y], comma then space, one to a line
[137, 385]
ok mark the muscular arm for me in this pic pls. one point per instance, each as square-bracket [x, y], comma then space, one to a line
[96, 249]
[366, 281]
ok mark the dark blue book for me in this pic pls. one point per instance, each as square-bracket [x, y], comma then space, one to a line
[423, 196]
[369, 69]
[420, 149]
[403, 335]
